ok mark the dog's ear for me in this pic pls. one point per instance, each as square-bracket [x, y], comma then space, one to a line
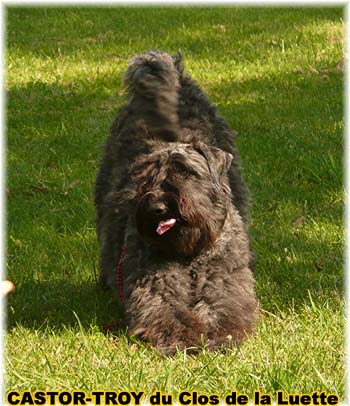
[222, 160]
[219, 161]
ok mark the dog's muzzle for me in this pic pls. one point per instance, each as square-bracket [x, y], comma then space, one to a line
[156, 213]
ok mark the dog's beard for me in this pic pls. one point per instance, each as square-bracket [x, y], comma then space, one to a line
[182, 230]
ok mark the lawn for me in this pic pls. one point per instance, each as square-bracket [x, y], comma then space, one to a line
[276, 75]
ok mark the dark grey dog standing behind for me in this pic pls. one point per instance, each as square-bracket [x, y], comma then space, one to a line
[170, 190]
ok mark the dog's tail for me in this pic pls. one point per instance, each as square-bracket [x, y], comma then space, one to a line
[153, 82]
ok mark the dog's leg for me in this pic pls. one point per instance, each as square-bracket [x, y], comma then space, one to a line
[232, 314]
[111, 238]
[171, 334]
[166, 322]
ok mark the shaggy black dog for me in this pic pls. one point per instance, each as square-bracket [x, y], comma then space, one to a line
[170, 194]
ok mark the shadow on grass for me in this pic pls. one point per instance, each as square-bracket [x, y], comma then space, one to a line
[61, 304]
[196, 30]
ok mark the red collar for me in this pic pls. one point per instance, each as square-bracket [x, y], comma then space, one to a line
[120, 274]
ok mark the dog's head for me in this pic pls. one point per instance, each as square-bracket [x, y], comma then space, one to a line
[182, 197]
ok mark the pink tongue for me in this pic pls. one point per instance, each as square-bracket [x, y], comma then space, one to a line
[165, 225]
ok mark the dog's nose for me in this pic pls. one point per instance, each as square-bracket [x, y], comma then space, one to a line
[159, 208]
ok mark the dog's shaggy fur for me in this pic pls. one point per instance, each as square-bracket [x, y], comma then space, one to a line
[171, 159]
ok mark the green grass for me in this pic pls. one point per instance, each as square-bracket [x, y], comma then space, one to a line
[276, 75]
